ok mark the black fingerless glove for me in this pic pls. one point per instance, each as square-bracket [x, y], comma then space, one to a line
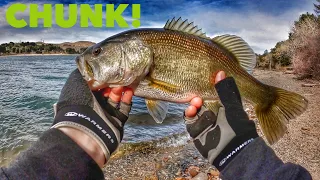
[220, 138]
[100, 118]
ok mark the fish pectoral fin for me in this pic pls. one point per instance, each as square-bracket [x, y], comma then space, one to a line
[158, 84]
[213, 105]
[157, 109]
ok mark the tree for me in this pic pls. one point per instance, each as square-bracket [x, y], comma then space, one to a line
[2, 49]
[71, 51]
[304, 47]
[304, 18]
[317, 8]
[280, 54]
[28, 50]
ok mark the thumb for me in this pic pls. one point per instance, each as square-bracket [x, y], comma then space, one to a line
[227, 90]
[220, 76]
[75, 92]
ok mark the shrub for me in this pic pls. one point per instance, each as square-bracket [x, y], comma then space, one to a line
[305, 47]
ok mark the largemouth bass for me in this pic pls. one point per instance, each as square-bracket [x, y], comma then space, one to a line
[177, 63]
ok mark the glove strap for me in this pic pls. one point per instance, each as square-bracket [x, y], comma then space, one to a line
[234, 147]
[87, 120]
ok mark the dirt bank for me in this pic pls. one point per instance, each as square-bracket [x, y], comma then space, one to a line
[301, 144]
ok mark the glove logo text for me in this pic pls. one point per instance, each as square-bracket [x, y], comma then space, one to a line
[73, 114]
[235, 151]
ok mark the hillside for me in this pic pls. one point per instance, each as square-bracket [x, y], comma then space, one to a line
[76, 45]
[12, 48]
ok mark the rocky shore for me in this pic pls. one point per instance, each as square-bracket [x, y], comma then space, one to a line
[180, 163]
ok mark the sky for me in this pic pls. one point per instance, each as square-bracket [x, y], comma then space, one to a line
[262, 23]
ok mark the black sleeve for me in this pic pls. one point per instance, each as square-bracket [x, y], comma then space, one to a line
[258, 161]
[53, 156]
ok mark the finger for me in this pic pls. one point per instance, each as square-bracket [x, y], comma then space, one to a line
[197, 102]
[127, 96]
[115, 94]
[206, 120]
[220, 76]
[106, 92]
[191, 111]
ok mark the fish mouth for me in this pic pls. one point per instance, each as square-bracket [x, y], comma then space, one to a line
[87, 73]
[84, 68]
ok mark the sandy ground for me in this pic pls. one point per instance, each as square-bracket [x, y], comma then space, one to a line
[301, 143]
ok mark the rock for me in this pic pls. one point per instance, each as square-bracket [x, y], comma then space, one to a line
[309, 85]
[166, 158]
[180, 178]
[193, 170]
[305, 129]
[158, 165]
[200, 176]
[195, 157]
[152, 177]
[214, 172]
[178, 173]
[288, 72]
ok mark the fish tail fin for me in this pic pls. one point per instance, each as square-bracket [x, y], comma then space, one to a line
[277, 110]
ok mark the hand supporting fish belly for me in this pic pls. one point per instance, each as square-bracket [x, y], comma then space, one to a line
[176, 63]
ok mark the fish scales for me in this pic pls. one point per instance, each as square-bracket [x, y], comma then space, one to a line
[199, 59]
[177, 63]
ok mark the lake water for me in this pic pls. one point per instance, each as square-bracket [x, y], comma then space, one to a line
[30, 85]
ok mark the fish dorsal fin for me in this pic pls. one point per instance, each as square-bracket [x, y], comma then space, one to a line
[239, 49]
[184, 26]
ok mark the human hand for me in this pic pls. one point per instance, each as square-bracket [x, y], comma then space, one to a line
[98, 116]
[220, 138]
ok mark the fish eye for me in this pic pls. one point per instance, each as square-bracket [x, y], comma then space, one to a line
[96, 51]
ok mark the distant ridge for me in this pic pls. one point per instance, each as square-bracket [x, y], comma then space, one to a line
[39, 47]
[76, 45]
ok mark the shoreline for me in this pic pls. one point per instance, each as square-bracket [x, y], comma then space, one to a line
[37, 55]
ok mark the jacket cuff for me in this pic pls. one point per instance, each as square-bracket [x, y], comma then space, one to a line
[233, 149]
[252, 161]
[54, 155]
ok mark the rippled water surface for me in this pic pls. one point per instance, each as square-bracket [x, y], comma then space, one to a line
[30, 85]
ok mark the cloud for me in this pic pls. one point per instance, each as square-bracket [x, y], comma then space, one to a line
[262, 24]
[262, 30]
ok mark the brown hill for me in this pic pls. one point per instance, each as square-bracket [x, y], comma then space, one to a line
[76, 45]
